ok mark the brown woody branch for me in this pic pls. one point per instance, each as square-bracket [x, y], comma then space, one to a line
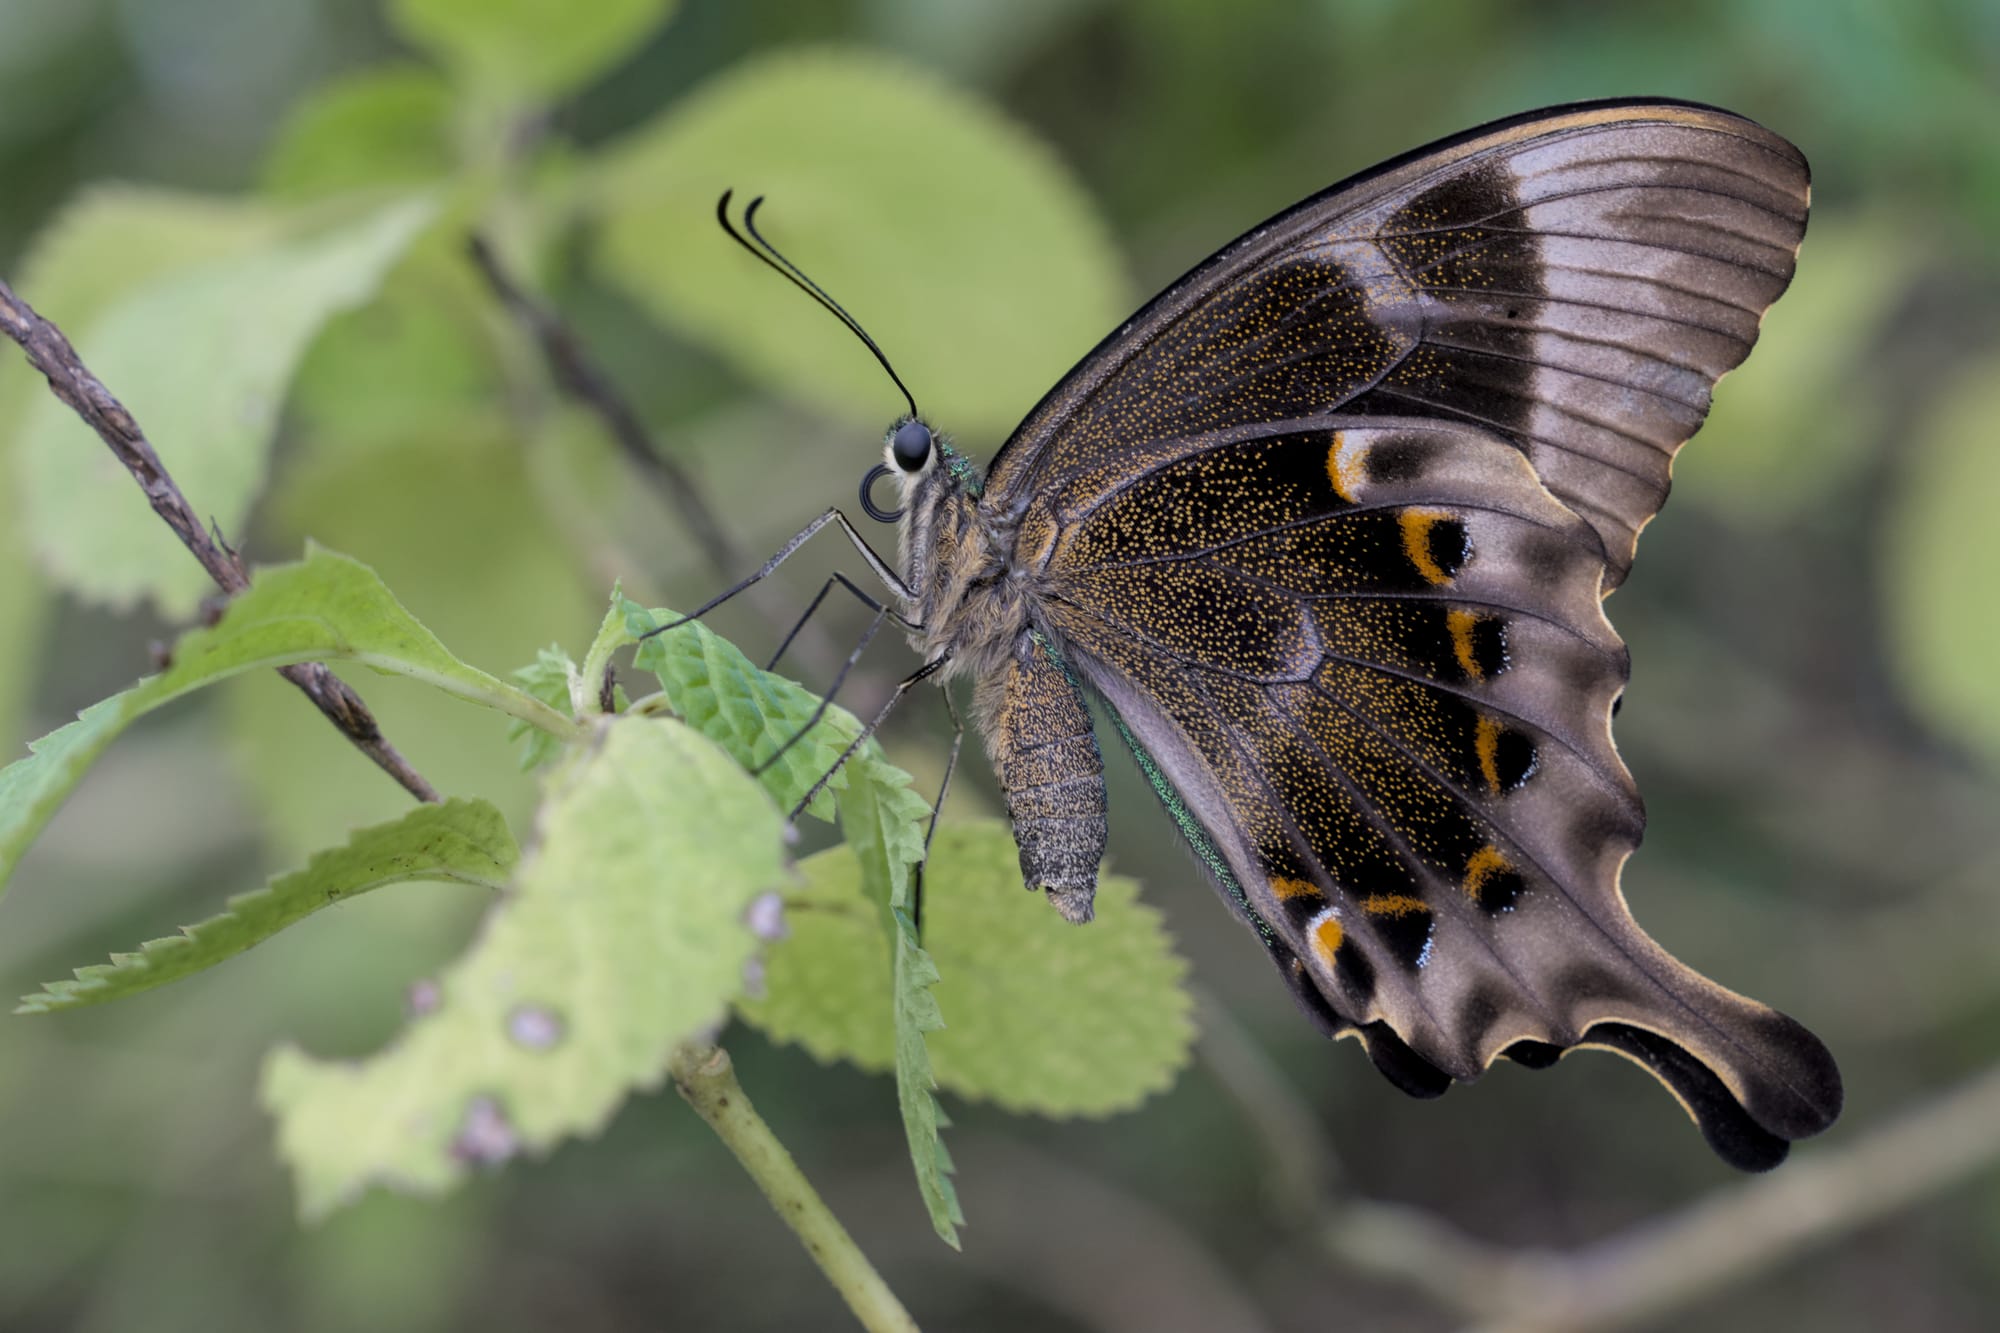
[50, 353]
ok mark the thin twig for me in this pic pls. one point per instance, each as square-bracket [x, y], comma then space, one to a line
[50, 353]
[1658, 1265]
[704, 1076]
[577, 375]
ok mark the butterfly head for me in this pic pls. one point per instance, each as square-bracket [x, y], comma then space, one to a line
[925, 464]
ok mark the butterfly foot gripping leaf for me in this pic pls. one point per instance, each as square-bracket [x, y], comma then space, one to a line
[1326, 528]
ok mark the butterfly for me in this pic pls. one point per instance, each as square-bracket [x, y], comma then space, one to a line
[1322, 535]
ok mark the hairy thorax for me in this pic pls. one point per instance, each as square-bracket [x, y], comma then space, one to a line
[963, 595]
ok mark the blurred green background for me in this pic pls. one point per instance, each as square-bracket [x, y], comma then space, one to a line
[1814, 714]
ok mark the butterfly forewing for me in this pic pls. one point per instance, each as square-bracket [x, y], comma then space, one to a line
[1575, 282]
[1328, 525]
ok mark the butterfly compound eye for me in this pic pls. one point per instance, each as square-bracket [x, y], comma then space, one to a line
[911, 446]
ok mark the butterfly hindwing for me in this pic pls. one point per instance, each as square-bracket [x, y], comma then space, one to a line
[1328, 526]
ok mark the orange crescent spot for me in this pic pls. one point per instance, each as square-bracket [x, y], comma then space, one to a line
[1288, 890]
[1327, 934]
[1484, 865]
[1393, 904]
[1460, 624]
[1416, 524]
[1487, 745]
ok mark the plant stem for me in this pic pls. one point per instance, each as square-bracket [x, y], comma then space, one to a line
[707, 1080]
[50, 353]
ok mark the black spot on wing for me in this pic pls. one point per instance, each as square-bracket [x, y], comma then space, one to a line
[1402, 1066]
[1736, 1138]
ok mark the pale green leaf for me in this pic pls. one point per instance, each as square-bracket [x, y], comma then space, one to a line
[202, 357]
[325, 608]
[966, 249]
[109, 240]
[1042, 1016]
[23, 610]
[385, 126]
[1786, 428]
[528, 49]
[1939, 572]
[452, 523]
[427, 348]
[462, 841]
[623, 935]
[547, 680]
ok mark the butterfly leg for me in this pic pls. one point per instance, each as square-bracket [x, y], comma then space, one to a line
[937, 808]
[903, 687]
[876, 565]
[1045, 752]
[826, 588]
[826, 700]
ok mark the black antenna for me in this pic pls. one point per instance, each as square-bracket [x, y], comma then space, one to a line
[794, 275]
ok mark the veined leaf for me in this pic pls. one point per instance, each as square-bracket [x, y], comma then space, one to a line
[624, 934]
[1045, 1017]
[202, 356]
[465, 841]
[324, 608]
[746, 710]
[750, 712]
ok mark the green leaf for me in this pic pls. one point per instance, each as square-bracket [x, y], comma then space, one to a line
[452, 521]
[878, 821]
[462, 841]
[747, 711]
[528, 49]
[325, 608]
[547, 680]
[969, 252]
[386, 126]
[1787, 427]
[202, 357]
[1939, 574]
[426, 351]
[623, 935]
[23, 609]
[1044, 1017]
[750, 712]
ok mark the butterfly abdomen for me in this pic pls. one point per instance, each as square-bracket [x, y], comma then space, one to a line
[1045, 753]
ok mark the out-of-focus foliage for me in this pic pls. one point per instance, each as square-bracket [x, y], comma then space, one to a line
[1813, 717]
[956, 240]
[202, 354]
[1943, 566]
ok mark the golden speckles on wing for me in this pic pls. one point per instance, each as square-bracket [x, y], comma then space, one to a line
[1393, 905]
[1417, 523]
[1460, 624]
[1485, 866]
[1326, 934]
[1288, 889]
